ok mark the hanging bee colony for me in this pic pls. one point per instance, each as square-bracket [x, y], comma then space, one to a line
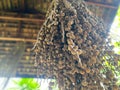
[71, 48]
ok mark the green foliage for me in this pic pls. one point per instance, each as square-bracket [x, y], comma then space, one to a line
[118, 13]
[115, 29]
[117, 18]
[115, 36]
[25, 84]
[117, 47]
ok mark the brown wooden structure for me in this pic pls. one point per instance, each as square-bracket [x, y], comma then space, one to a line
[20, 21]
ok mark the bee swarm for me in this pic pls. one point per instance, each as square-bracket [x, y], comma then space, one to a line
[70, 48]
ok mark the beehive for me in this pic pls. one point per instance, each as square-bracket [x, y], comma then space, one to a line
[70, 47]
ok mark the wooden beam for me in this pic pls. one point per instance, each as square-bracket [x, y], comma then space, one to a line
[10, 44]
[21, 19]
[5, 48]
[6, 13]
[101, 5]
[16, 39]
[25, 28]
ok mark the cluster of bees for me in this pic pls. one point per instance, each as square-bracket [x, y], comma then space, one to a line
[70, 48]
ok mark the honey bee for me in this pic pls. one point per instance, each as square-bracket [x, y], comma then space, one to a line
[94, 46]
[79, 41]
[82, 72]
[115, 87]
[79, 51]
[70, 35]
[80, 30]
[67, 28]
[87, 70]
[62, 14]
[93, 60]
[84, 83]
[90, 63]
[72, 78]
[73, 52]
[75, 47]
[97, 52]
[73, 71]
[70, 42]
[89, 42]
[70, 47]
[70, 22]
[55, 23]
[106, 81]
[110, 75]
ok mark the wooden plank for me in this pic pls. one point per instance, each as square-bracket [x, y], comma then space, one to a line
[16, 39]
[10, 44]
[24, 25]
[101, 5]
[21, 19]
[5, 48]
[7, 44]
[30, 35]
[23, 35]
[13, 29]
[8, 29]
[2, 44]
[26, 15]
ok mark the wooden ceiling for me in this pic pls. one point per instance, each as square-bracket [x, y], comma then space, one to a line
[20, 21]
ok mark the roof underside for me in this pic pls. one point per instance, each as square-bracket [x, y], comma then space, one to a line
[20, 21]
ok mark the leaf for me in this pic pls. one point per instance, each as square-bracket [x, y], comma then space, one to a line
[25, 84]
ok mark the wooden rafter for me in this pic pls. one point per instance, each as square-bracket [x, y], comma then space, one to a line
[101, 5]
[21, 19]
[16, 39]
